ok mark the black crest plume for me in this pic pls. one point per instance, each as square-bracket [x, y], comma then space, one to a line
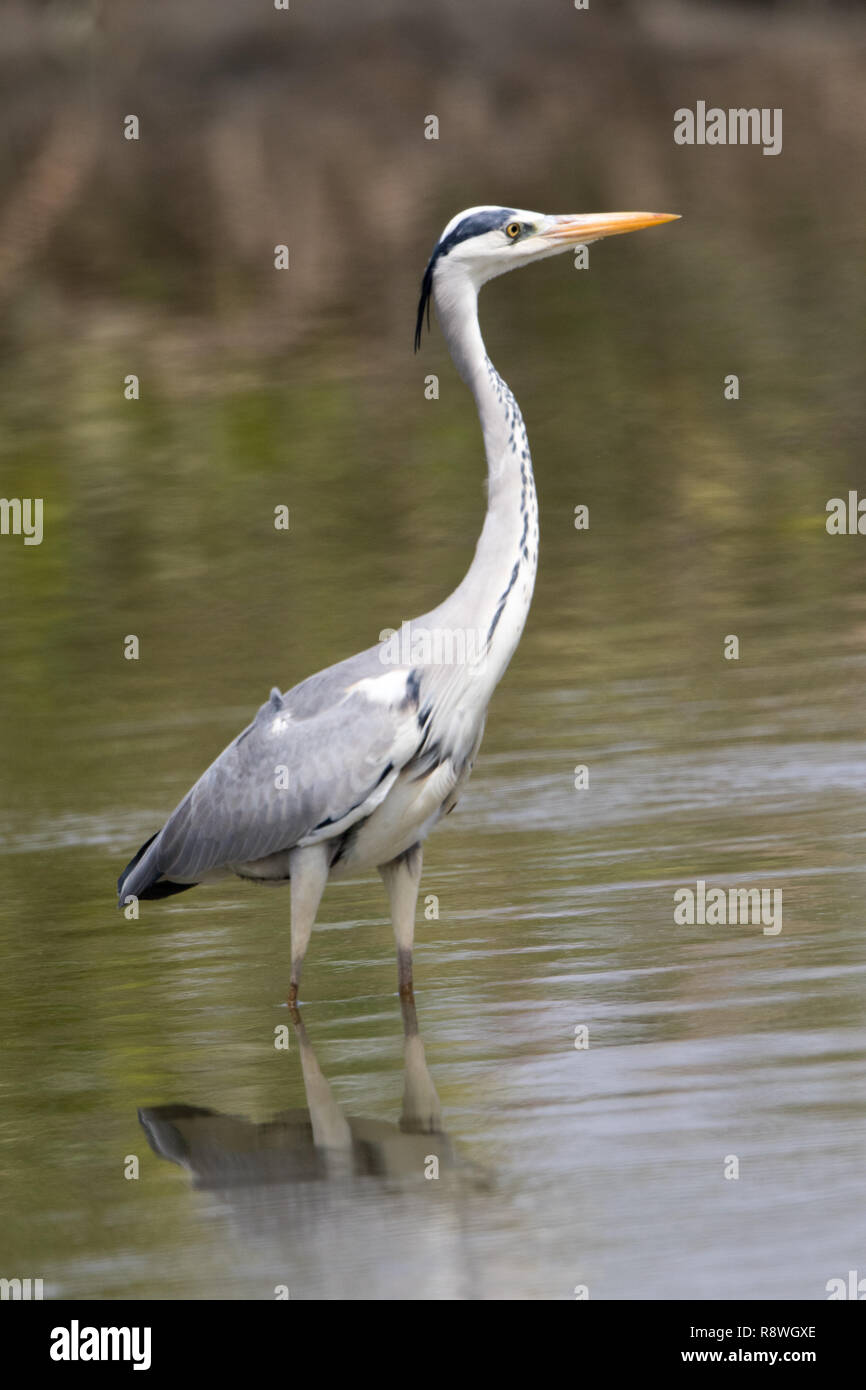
[474, 225]
[424, 302]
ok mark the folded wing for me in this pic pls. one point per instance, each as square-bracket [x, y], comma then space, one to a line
[293, 777]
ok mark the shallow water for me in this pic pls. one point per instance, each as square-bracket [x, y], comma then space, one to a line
[262, 1168]
[561, 1167]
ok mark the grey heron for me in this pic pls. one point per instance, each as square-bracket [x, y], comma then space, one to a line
[378, 747]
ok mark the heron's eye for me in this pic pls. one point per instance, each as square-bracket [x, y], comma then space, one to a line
[513, 230]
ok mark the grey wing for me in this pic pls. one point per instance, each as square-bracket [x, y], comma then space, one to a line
[290, 778]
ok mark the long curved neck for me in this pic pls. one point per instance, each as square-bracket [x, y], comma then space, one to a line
[496, 592]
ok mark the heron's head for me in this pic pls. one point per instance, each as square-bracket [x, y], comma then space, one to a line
[484, 242]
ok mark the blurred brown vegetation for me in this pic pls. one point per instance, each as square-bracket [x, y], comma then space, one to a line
[261, 126]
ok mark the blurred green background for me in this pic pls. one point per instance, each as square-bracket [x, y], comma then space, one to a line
[261, 388]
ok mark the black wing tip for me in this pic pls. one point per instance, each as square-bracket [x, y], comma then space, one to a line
[129, 868]
[153, 891]
[164, 889]
[153, 888]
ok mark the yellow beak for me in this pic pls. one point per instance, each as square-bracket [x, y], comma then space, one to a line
[592, 225]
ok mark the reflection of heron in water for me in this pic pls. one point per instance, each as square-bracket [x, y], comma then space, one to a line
[307, 1189]
[333, 1205]
[317, 1142]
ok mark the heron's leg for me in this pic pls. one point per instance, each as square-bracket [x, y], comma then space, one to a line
[308, 869]
[402, 878]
